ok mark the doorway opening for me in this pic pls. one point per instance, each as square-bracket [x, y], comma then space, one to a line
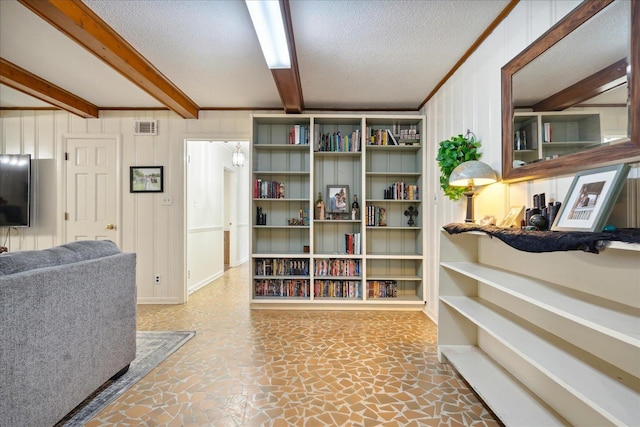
[217, 204]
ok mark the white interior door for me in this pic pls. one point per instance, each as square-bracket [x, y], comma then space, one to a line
[92, 189]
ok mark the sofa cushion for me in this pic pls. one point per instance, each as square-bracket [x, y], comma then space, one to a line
[16, 262]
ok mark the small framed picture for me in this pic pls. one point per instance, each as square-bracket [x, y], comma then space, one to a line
[338, 197]
[146, 179]
[592, 194]
[513, 217]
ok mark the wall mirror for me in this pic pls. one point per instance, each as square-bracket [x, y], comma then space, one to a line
[570, 99]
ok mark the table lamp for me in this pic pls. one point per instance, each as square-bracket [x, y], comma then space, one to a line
[471, 174]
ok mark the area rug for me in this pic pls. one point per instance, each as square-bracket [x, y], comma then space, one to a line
[151, 349]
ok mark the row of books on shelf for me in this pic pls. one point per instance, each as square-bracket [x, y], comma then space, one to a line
[281, 288]
[299, 135]
[337, 289]
[380, 137]
[402, 191]
[352, 243]
[325, 288]
[338, 142]
[389, 137]
[263, 189]
[376, 216]
[281, 267]
[337, 267]
[382, 289]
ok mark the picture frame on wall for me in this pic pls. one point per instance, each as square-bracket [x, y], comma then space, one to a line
[146, 179]
[338, 199]
[590, 198]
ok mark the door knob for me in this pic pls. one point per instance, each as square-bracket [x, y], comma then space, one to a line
[111, 227]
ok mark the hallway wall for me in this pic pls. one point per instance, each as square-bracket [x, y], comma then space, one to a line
[154, 231]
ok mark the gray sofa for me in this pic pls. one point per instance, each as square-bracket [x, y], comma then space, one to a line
[67, 325]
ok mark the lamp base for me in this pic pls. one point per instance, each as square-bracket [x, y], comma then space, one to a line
[469, 217]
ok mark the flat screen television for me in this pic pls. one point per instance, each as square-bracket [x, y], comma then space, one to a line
[15, 190]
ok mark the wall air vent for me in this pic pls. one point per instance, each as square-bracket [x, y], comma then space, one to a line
[146, 127]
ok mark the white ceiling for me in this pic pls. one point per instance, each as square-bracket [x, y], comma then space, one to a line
[382, 54]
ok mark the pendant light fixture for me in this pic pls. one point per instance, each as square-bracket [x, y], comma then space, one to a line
[237, 158]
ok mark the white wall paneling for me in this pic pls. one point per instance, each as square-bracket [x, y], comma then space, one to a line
[154, 231]
[471, 99]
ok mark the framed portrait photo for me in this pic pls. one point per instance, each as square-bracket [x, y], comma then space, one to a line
[338, 199]
[590, 198]
[146, 179]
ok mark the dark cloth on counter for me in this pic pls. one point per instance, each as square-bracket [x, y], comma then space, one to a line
[551, 241]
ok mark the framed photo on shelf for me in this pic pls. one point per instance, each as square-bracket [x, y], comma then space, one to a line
[591, 197]
[513, 217]
[338, 198]
[146, 179]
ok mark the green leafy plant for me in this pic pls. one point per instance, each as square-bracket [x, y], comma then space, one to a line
[452, 152]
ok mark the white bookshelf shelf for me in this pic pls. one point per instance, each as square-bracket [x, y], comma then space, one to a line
[565, 344]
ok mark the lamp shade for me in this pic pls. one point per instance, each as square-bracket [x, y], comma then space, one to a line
[472, 173]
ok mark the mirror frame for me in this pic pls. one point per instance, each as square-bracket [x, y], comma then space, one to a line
[624, 152]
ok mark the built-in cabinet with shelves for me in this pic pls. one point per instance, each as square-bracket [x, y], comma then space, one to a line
[546, 135]
[377, 160]
[543, 338]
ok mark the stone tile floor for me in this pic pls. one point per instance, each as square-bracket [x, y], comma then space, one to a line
[293, 368]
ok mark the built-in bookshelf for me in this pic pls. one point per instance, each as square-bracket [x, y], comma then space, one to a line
[540, 336]
[341, 195]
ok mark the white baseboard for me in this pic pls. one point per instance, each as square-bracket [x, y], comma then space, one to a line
[158, 300]
[204, 282]
[431, 314]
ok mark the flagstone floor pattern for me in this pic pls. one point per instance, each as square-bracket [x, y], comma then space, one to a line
[293, 368]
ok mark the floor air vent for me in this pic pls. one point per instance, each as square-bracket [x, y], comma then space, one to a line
[146, 127]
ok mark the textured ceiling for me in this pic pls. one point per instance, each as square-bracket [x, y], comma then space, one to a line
[383, 54]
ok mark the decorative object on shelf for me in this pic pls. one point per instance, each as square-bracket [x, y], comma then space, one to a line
[303, 218]
[237, 158]
[281, 191]
[261, 218]
[411, 212]
[487, 220]
[539, 221]
[590, 198]
[513, 217]
[355, 208]
[319, 212]
[539, 217]
[146, 179]
[452, 152]
[469, 175]
[338, 196]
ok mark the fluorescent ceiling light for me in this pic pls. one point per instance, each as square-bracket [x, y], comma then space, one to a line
[268, 22]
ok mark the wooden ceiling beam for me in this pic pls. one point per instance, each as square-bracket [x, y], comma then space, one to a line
[288, 79]
[596, 84]
[80, 23]
[26, 82]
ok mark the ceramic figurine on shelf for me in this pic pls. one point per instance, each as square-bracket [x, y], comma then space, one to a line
[355, 208]
[319, 207]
